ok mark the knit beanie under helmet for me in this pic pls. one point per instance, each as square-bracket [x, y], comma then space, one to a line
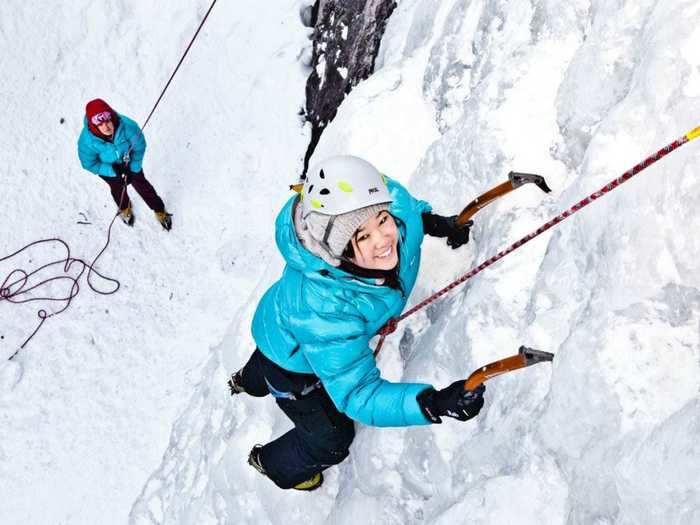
[93, 108]
[343, 228]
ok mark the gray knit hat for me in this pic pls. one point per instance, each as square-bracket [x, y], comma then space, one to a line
[335, 236]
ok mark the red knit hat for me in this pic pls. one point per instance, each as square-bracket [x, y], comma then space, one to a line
[95, 107]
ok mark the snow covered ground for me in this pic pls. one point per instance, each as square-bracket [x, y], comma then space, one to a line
[117, 411]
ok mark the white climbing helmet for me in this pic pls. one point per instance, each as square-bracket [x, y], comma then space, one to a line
[342, 184]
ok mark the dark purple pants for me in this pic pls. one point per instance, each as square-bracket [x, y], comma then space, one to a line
[142, 187]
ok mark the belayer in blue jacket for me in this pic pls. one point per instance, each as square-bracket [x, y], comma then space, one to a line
[112, 146]
[351, 242]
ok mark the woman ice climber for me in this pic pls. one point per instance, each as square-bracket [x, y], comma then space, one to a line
[351, 242]
[112, 146]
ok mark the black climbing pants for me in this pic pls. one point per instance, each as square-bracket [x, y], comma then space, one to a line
[321, 436]
[144, 188]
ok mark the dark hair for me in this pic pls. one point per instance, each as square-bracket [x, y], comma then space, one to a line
[391, 277]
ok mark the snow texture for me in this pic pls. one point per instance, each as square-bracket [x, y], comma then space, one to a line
[118, 412]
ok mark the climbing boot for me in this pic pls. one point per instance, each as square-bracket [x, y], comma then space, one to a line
[164, 218]
[235, 384]
[255, 461]
[127, 216]
[311, 484]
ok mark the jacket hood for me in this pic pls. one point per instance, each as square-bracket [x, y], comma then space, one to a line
[312, 266]
[94, 107]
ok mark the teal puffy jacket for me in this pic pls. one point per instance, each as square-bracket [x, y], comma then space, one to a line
[319, 319]
[97, 155]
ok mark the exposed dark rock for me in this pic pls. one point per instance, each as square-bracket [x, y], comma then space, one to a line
[309, 14]
[346, 40]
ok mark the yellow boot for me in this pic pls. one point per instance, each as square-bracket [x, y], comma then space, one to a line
[310, 484]
[164, 218]
[126, 215]
[255, 461]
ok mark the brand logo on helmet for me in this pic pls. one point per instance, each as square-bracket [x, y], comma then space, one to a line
[373, 190]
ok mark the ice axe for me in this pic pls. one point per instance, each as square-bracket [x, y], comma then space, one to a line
[515, 181]
[524, 358]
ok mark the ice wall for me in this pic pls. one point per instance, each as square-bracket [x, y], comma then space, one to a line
[464, 92]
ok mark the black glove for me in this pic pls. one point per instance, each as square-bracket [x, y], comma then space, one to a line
[123, 172]
[452, 401]
[439, 226]
[120, 169]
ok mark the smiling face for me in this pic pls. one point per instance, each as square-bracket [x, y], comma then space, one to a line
[106, 128]
[375, 243]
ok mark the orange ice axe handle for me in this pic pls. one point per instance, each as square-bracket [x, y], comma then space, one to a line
[524, 358]
[515, 180]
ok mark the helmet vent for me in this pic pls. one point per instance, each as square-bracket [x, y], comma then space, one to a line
[342, 184]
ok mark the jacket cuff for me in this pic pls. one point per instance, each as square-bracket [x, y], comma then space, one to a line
[426, 403]
[435, 225]
[413, 412]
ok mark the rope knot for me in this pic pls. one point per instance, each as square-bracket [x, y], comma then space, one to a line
[389, 327]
